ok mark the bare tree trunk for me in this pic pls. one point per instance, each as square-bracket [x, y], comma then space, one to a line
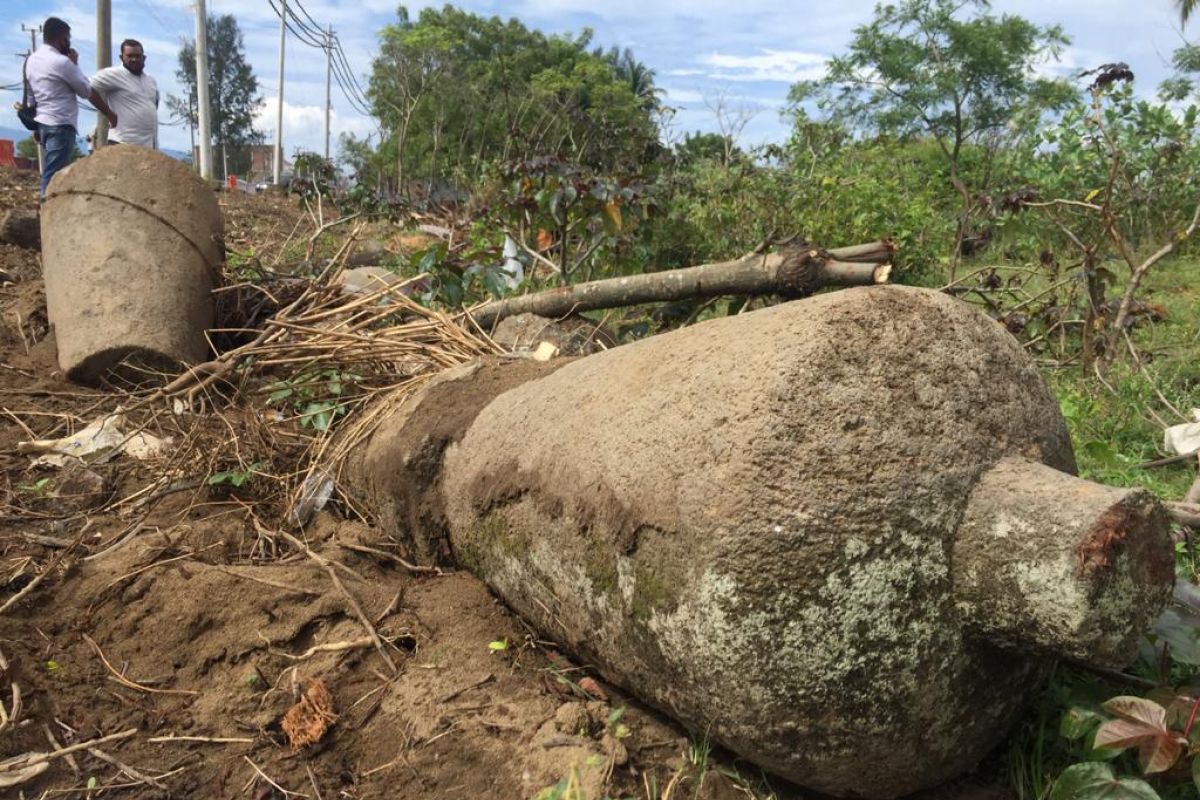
[1135, 282]
[793, 271]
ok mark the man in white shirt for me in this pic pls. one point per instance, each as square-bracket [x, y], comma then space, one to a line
[133, 95]
[56, 80]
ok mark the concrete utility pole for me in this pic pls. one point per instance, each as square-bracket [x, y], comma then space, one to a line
[33, 34]
[279, 111]
[191, 128]
[103, 59]
[203, 110]
[328, 72]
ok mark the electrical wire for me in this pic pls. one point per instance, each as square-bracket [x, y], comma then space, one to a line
[310, 33]
[307, 37]
[146, 7]
[309, 16]
[341, 54]
[314, 31]
[345, 83]
[338, 52]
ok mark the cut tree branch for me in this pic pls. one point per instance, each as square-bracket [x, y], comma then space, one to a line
[792, 271]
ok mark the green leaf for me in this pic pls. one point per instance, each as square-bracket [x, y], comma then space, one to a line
[92, 783]
[1078, 722]
[52, 666]
[1096, 781]
[317, 415]
[555, 792]
[495, 281]
[1102, 452]
[280, 394]
[498, 645]
[428, 259]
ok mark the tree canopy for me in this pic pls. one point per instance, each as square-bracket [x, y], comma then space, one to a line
[454, 90]
[922, 67]
[933, 69]
[232, 87]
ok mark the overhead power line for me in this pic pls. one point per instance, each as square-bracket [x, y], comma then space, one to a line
[308, 31]
[311, 33]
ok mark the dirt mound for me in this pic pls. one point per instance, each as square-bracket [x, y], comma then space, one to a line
[161, 636]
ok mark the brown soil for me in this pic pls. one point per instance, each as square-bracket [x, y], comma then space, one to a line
[184, 614]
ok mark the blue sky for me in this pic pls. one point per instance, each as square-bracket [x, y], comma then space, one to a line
[742, 55]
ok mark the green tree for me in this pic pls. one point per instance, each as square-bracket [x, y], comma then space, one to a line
[1185, 8]
[1112, 182]
[634, 74]
[27, 148]
[924, 68]
[1186, 61]
[456, 92]
[698, 146]
[232, 89]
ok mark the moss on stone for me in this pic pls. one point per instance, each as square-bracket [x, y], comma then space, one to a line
[599, 564]
[488, 540]
[654, 591]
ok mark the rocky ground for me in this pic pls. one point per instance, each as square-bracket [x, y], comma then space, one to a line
[175, 642]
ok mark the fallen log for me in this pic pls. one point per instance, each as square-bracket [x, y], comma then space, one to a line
[792, 271]
[880, 252]
[1185, 514]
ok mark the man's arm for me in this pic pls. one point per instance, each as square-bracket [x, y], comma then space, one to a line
[95, 99]
[78, 81]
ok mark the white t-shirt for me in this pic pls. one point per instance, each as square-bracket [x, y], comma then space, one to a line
[55, 82]
[134, 99]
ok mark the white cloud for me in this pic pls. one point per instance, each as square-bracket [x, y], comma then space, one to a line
[674, 95]
[304, 125]
[781, 66]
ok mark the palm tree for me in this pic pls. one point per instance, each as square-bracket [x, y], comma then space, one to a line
[636, 75]
[1186, 7]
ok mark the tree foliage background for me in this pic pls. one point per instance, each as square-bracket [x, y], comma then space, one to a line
[233, 92]
[455, 92]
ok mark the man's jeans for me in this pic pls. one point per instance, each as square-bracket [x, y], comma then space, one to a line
[58, 142]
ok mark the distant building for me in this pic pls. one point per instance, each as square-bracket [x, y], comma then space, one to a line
[262, 163]
[259, 158]
[9, 157]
